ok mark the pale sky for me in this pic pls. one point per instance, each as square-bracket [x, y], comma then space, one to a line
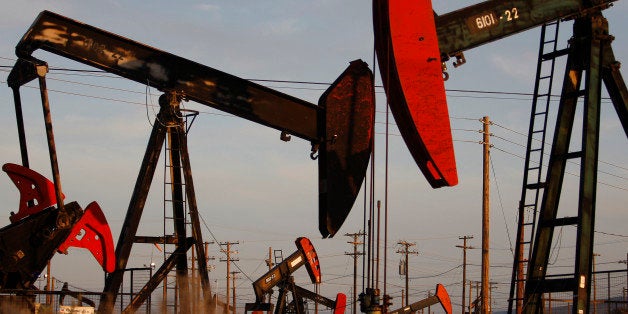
[253, 188]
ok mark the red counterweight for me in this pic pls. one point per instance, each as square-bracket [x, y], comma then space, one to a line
[406, 43]
[92, 232]
[36, 191]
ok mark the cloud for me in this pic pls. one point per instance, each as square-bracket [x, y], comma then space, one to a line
[282, 28]
[516, 66]
[208, 7]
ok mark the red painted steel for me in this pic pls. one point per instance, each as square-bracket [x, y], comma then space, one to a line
[443, 297]
[312, 264]
[341, 303]
[409, 60]
[92, 232]
[36, 191]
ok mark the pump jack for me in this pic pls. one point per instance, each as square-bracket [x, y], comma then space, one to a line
[39, 229]
[38, 222]
[411, 39]
[281, 276]
[340, 128]
[441, 296]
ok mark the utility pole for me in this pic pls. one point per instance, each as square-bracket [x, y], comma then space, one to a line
[429, 308]
[196, 284]
[228, 260]
[595, 285]
[490, 295]
[233, 277]
[48, 284]
[485, 214]
[470, 295]
[478, 295]
[406, 245]
[464, 248]
[626, 262]
[355, 255]
[209, 269]
[269, 263]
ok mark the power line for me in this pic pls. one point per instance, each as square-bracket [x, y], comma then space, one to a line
[567, 172]
[501, 204]
[220, 246]
[545, 143]
[379, 133]
[281, 81]
[440, 274]
[468, 91]
[569, 161]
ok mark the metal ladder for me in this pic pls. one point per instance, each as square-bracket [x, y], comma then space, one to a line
[589, 64]
[170, 286]
[533, 187]
[174, 197]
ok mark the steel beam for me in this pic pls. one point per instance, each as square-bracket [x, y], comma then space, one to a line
[492, 20]
[587, 54]
[615, 84]
[555, 175]
[175, 128]
[194, 216]
[596, 27]
[167, 72]
[134, 212]
[158, 277]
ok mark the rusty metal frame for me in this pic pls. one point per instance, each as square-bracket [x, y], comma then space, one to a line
[340, 128]
[590, 53]
[169, 126]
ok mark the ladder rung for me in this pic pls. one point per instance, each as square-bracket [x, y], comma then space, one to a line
[573, 155]
[565, 221]
[536, 186]
[558, 285]
[573, 94]
[555, 54]
[540, 113]
[175, 201]
[172, 183]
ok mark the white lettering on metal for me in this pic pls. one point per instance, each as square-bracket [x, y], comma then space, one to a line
[296, 261]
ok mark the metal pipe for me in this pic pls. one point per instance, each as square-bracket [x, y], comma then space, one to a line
[63, 220]
[19, 118]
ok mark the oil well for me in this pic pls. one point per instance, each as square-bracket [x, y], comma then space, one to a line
[413, 46]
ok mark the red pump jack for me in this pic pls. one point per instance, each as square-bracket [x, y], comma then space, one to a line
[281, 276]
[36, 232]
[370, 302]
